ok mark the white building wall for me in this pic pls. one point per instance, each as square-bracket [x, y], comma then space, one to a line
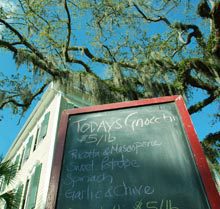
[52, 101]
[48, 150]
[42, 154]
[44, 151]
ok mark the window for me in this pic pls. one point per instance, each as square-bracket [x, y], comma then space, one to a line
[22, 160]
[17, 161]
[28, 148]
[33, 188]
[25, 194]
[44, 125]
[41, 131]
[2, 183]
[18, 196]
[36, 138]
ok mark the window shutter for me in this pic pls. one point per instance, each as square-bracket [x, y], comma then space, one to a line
[2, 184]
[44, 125]
[22, 160]
[28, 148]
[24, 197]
[33, 189]
[17, 161]
[18, 195]
[36, 138]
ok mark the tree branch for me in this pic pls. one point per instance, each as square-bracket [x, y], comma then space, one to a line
[199, 84]
[86, 51]
[22, 39]
[160, 18]
[25, 103]
[43, 63]
[47, 67]
[197, 107]
[201, 66]
[24, 11]
[66, 48]
[215, 14]
[69, 30]
[106, 47]
[183, 27]
[87, 68]
[31, 57]
[195, 33]
[39, 16]
[212, 138]
[8, 46]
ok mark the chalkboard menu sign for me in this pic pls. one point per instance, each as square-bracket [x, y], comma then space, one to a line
[131, 155]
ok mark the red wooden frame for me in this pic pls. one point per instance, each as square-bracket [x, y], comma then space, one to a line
[199, 157]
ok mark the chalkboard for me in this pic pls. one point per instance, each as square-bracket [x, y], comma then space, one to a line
[129, 157]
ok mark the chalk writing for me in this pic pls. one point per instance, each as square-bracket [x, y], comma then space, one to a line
[132, 120]
[138, 205]
[133, 123]
[79, 155]
[72, 179]
[113, 149]
[122, 190]
[163, 204]
[84, 126]
[123, 163]
[81, 167]
[155, 204]
[96, 139]
[134, 147]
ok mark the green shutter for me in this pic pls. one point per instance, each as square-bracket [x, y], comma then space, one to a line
[44, 125]
[18, 195]
[2, 184]
[22, 160]
[36, 138]
[33, 188]
[17, 161]
[28, 148]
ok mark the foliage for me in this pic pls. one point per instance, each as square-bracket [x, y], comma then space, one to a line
[127, 49]
[7, 173]
[211, 146]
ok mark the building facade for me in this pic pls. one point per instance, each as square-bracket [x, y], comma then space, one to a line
[33, 148]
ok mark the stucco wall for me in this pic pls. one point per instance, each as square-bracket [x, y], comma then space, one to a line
[42, 154]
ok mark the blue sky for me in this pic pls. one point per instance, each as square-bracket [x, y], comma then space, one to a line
[9, 127]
